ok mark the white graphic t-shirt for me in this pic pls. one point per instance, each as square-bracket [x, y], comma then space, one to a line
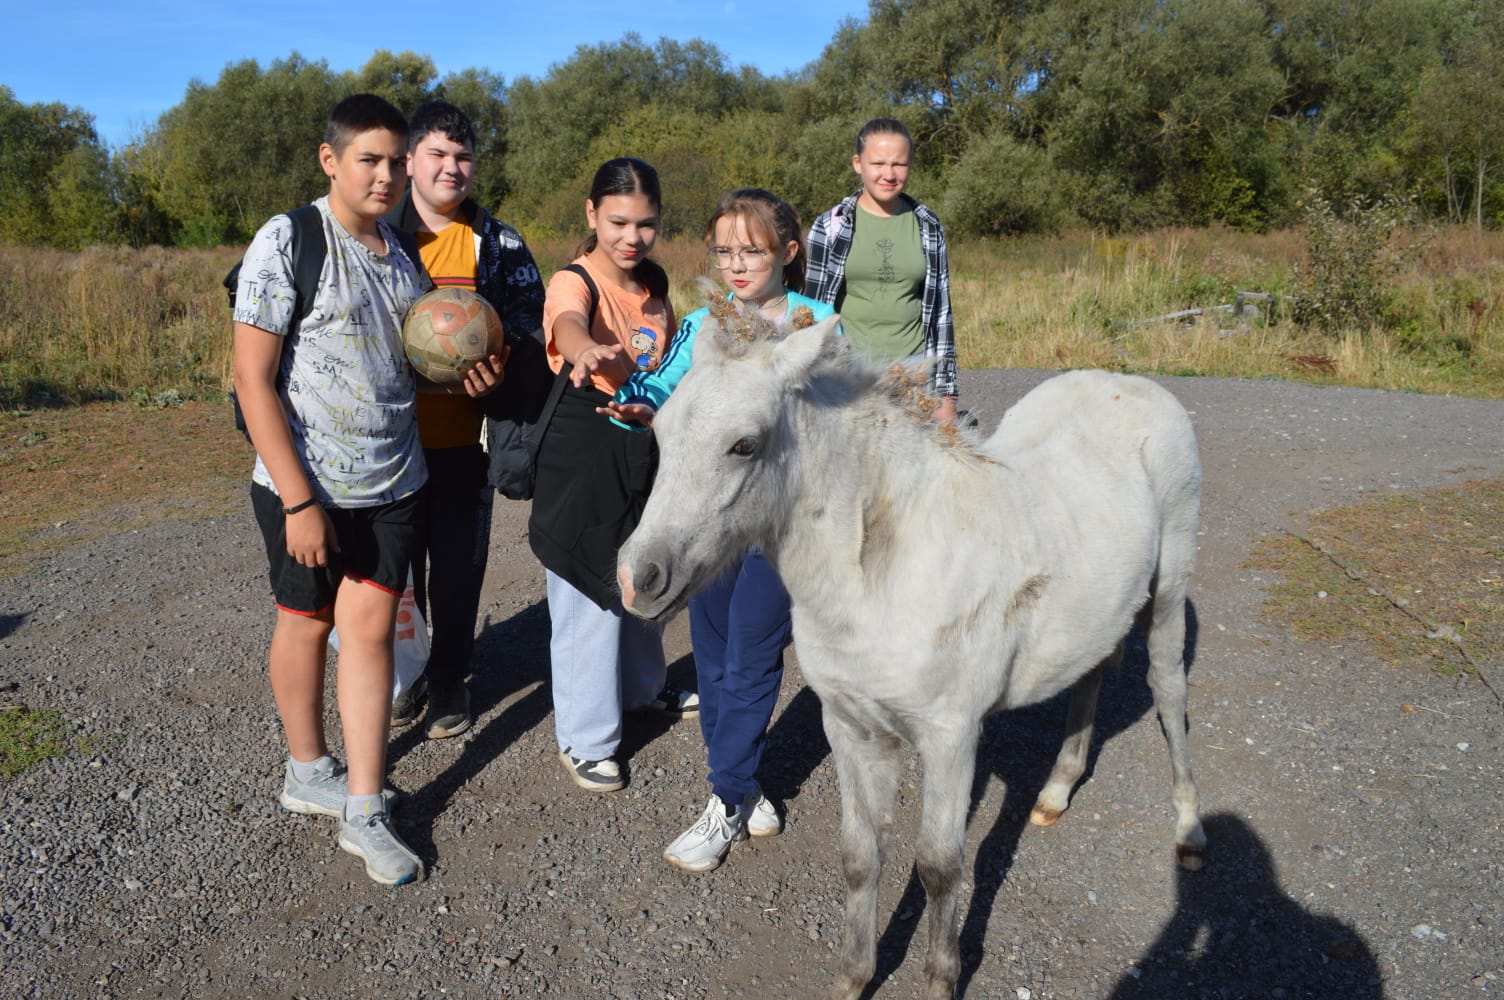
[345, 381]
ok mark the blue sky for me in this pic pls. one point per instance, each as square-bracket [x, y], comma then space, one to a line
[126, 63]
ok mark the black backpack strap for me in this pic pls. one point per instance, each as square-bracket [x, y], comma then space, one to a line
[561, 380]
[595, 293]
[409, 244]
[308, 251]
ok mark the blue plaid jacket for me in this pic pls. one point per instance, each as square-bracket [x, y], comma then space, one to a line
[830, 242]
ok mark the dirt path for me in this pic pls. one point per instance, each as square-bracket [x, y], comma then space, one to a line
[1355, 847]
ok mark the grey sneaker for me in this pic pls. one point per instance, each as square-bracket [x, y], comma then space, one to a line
[324, 794]
[408, 705]
[705, 845]
[593, 775]
[371, 838]
[448, 710]
[675, 703]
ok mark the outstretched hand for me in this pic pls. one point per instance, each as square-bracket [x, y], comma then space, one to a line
[628, 413]
[592, 359]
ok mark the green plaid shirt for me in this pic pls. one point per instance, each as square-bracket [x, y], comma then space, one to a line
[830, 242]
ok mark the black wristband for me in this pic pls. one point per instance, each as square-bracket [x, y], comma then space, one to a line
[297, 507]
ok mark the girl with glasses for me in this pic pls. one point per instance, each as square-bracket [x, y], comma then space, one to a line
[740, 624]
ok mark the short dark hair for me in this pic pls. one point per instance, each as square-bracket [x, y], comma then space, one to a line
[440, 116]
[882, 126]
[362, 113]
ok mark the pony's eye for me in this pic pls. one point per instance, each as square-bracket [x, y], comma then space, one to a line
[744, 447]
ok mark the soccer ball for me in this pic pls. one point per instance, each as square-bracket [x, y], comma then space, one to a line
[448, 331]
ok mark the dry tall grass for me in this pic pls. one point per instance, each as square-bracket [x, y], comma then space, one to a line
[152, 324]
[110, 322]
[1083, 301]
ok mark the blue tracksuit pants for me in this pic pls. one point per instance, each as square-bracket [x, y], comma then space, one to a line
[739, 627]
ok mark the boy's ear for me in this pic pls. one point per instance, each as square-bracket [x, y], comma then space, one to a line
[327, 159]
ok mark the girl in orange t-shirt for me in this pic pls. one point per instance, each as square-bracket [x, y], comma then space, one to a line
[593, 476]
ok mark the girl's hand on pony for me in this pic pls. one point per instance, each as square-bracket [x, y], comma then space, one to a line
[628, 413]
[594, 358]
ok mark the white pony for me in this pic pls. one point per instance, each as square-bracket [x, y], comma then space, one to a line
[934, 580]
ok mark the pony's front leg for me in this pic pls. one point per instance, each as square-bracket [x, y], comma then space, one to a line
[1071, 763]
[868, 767]
[949, 757]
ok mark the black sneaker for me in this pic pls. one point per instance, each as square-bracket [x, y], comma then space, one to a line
[408, 705]
[593, 775]
[448, 710]
[674, 703]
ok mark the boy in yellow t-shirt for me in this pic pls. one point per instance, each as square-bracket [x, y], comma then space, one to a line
[461, 245]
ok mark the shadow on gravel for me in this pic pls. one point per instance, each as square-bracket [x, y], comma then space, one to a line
[10, 623]
[1019, 747]
[1236, 933]
[796, 746]
[510, 656]
[641, 728]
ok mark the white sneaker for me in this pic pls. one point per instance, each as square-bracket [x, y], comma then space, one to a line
[762, 818]
[705, 845]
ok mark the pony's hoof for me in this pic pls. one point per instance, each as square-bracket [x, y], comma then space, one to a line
[940, 989]
[1043, 815]
[1191, 858]
[846, 989]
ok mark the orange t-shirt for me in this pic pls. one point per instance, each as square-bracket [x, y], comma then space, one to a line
[449, 421]
[641, 323]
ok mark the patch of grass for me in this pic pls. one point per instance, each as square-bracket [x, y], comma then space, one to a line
[152, 324]
[28, 737]
[77, 473]
[1435, 555]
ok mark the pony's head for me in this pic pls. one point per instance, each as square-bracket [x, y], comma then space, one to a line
[728, 464]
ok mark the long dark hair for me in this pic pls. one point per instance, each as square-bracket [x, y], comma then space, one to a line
[767, 217]
[623, 175]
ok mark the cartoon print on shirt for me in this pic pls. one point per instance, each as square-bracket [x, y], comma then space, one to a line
[645, 343]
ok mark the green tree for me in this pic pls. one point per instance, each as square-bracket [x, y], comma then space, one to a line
[1140, 100]
[1002, 185]
[955, 64]
[1350, 69]
[140, 175]
[406, 79]
[234, 153]
[81, 199]
[56, 186]
[555, 122]
[1456, 126]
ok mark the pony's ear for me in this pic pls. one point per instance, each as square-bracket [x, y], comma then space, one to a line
[796, 356]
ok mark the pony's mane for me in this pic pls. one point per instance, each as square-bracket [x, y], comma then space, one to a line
[902, 384]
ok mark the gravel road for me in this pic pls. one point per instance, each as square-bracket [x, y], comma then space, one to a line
[1355, 848]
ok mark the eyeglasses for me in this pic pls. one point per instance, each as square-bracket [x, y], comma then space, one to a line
[751, 258]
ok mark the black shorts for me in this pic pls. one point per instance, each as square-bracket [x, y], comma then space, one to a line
[377, 545]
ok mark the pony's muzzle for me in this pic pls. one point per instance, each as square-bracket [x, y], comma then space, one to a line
[642, 588]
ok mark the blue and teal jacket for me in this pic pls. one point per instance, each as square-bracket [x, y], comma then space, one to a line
[654, 387]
